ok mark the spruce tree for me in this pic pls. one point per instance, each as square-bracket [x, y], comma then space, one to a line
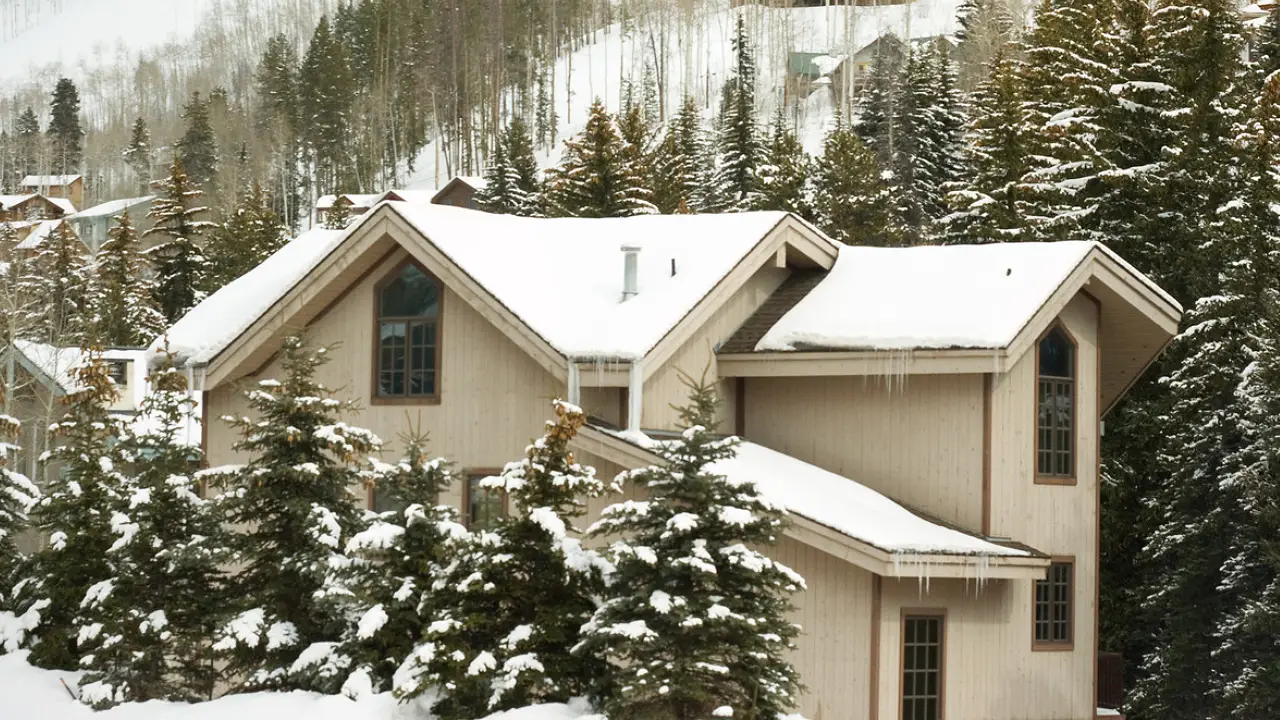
[695, 620]
[57, 277]
[251, 234]
[1265, 46]
[508, 610]
[76, 515]
[985, 27]
[596, 177]
[878, 112]
[394, 562]
[682, 162]
[66, 138]
[851, 202]
[637, 140]
[277, 89]
[30, 144]
[512, 178]
[18, 496]
[138, 155]
[784, 173]
[177, 258]
[738, 145]
[121, 297]
[326, 88]
[294, 505]
[146, 637]
[198, 149]
[338, 217]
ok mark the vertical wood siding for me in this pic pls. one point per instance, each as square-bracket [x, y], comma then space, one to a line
[917, 439]
[665, 388]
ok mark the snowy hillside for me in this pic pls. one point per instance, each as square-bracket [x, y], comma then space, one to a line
[73, 37]
[702, 54]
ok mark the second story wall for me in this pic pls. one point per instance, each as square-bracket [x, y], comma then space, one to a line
[916, 439]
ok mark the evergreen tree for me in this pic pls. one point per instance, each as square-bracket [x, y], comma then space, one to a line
[58, 277]
[277, 86]
[29, 143]
[394, 563]
[326, 88]
[18, 496]
[512, 179]
[878, 112]
[986, 26]
[784, 172]
[66, 138]
[122, 299]
[1265, 46]
[294, 504]
[509, 608]
[76, 516]
[198, 149]
[637, 140]
[681, 175]
[138, 155]
[738, 143]
[695, 619]
[178, 257]
[338, 216]
[251, 234]
[146, 636]
[596, 178]
[851, 202]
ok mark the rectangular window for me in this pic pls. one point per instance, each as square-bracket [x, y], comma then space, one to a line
[922, 649]
[1054, 442]
[1053, 629]
[484, 505]
[117, 371]
[381, 500]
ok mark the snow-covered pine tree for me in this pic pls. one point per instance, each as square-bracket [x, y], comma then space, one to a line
[294, 505]
[29, 143]
[18, 496]
[784, 173]
[251, 234]
[681, 163]
[878, 112]
[121, 296]
[394, 563]
[326, 91]
[147, 636]
[695, 621]
[851, 202]
[637, 141]
[138, 155]
[198, 148]
[1264, 46]
[595, 178]
[738, 145]
[58, 277]
[76, 515]
[985, 27]
[508, 610]
[178, 257]
[66, 137]
[338, 216]
[512, 178]
[987, 204]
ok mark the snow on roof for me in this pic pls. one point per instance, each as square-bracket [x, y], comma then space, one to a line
[936, 297]
[8, 201]
[840, 503]
[41, 232]
[532, 265]
[56, 363]
[42, 181]
[210, 326]
[67, 206]
[111, 208]
[360, 200]
[475, 181]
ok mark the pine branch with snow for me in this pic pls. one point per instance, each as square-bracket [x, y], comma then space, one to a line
[178, 258]
[121, 294]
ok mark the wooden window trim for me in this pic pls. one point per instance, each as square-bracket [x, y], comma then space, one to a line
[374, 397]
[468, 475]
[942, 655]
[1063, 480]
[1070, 645]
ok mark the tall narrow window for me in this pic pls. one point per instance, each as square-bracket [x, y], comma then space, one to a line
[1056, 386]
[408, 361]
[922, 637]
[1053, 608]
[484, 505]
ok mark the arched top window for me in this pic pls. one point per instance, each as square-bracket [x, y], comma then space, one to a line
[1055, 406]
[407, 362]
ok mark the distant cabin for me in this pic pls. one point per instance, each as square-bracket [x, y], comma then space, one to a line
[33, 233]
[93, 224]
[460, 192]
[807, 71]
[360, 203]
[33, 206]
[68, 187]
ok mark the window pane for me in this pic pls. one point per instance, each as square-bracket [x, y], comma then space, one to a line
[411, 294]
[485, 506]
[921, 668]
[391, 357]
[1057, 356]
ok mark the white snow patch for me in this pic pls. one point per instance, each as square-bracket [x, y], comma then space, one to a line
[371, 622]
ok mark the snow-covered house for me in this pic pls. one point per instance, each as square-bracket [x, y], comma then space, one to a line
[360, 203]
[64, 187]
[33, 233]
[32, 206]
[460, 191]
[929, 416]
[93, 224]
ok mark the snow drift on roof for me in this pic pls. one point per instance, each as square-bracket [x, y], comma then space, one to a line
[41, 232]
[839, 503]
[112, 208]
[210, 326]
[44, 181]
[563, 277]
[930, 297]
[56, 363]
[8, 201]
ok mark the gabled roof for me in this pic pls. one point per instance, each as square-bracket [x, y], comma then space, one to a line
[840, 515]
[41, 231]
[44, 181]
[112, 208]
[9, 201]
[64, 204]
[474, 182]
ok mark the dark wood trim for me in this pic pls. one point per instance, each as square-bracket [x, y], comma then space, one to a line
[351, 287]
[942, 655]
[740, 407]
[877, 608]
[1062, 480]
[434, 399]
[624, 406]
[988, 389]
[1069, 646]
[468, 475]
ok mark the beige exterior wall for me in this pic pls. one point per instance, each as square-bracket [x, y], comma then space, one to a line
[665, 388]
[916, 439]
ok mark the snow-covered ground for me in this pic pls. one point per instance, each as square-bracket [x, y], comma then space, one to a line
[702, 56]
[28, 693]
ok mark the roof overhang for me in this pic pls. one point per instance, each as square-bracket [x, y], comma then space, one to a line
[1137, 321]
[856, 552]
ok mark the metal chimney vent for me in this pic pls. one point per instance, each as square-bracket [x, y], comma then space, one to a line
[630, 272]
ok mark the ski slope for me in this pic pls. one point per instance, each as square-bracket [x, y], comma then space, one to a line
[701, 58]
